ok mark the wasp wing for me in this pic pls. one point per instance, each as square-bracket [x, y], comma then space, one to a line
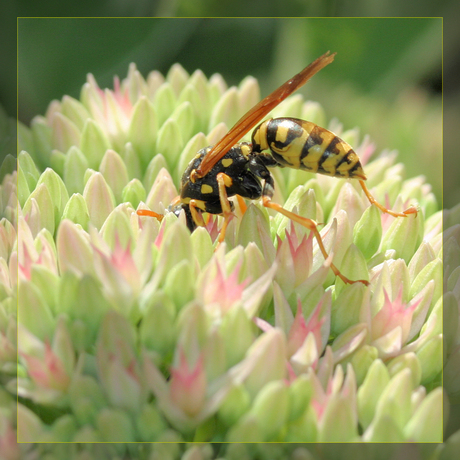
[259, 111]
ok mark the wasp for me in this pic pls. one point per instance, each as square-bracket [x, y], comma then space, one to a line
[232, 168]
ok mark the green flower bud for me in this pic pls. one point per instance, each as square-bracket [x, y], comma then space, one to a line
[234, 406]
[41, 134]
[236, 345]
[117, 228]
[164, 102]
[174, 248]
[338, 423]
[271, 408]
[266, 357]
[226, 110]
[350, 201]
[177, 76]
[75, 111]
[30, 171]
[426, 425]
[422, 257]
[115, 426]
[76, 210]
[87, 434]
[23, 188]
[384, 429]
[41, 207]
[407, 361]
[131, 160]
[367, 232]
[115, 173]
[185, 118]
[395, 401]
[403, 236]
[143, 129]
[362, 360]
[86, 399]
[33, 312]
[157, 330]
[254, 227]
[75, 165]
[64, 133]
[248, 93]
[353, 266]
[304, 202]
[57, 161]
[199, 112]
[170, 142]
[99, 199]
[25, 139]
[347, 306]
[202, 245]
[29, 426]
[157, 163]
[430, 358]
[194, 145]
[432, 271]
[64, 428]
[149, 423]
[57, 190]
[180, 284]
[134, 193]
[300, 393]
[93, 143]
[370, 391]
[246, 430]
[73, 249]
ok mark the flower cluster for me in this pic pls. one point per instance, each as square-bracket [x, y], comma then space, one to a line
[135, 330]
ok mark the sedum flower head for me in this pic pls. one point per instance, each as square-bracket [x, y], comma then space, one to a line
[135, 330]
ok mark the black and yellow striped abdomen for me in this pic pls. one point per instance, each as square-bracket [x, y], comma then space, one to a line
[304, 145]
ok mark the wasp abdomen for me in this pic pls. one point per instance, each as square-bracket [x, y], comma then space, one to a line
[301, 144]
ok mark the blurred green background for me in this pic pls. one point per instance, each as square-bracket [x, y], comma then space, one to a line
[386, 78]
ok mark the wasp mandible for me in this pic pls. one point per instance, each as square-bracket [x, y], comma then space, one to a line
[240, 168]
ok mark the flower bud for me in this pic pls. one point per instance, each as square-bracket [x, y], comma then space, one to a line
[157, 329]
[367, 232]
[337, 423]
[404, 236]
[170, 142]
[99, 199]
[115, 173]
[86, 399]
[40, 202]
[271, 408]
[115, 426]
[370, 391]
[143, 129]
[430, 358]
[64, 133]
[426, 425]
[149, 423]
[76, 211]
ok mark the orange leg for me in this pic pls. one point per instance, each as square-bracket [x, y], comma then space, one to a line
[223, 182]
[311, 225]
[411, 210]
[147, 212]
[197, 216]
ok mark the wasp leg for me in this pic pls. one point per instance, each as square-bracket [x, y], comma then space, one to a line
[307, 223]
[224, 181]
[410, 210]
[197, 216]
[147, 212]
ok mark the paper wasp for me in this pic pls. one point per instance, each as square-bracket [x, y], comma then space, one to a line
[231, 168]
